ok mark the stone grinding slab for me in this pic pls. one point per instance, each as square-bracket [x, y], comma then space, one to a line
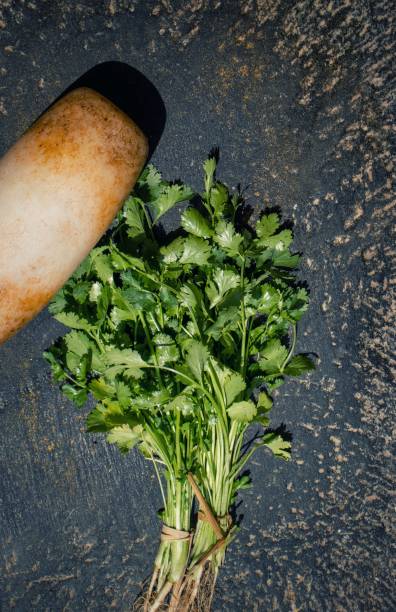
[299, 97]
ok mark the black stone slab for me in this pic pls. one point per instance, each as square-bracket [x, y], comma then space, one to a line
[299, 96]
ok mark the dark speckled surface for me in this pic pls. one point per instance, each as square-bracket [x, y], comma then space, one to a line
[300, 97]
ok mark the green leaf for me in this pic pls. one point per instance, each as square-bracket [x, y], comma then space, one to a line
[81, 291]
[233, 386]
[297, 303]
[126, 361]
[173, 251]
[100, 389]
[134, 216]
[279, 446]
[279, 241]
[76, 394]
[182, 403]
[284, 259]
[273, 356]
[194, 223]
[219, 199]
[71, 319]
[125, 437]
[103, 268]
[264, 405]
[169, 196]
[58, 302]
[190, 296]
[269, 298]
[299, 365]
[123, 393]
[57, 370]
[267, 225]
[196, 359]
[78, 344]
[222, 282]
[227, 238]
[196, 251]
[165, 348]
[169, 300]
[243, 412]
[150, 183]
[227, 320]
[264, 402]
[209, 167]
[139, 299]
[107, 415]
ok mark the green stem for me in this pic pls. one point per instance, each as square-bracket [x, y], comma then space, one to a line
[152, 349]
[293, 345]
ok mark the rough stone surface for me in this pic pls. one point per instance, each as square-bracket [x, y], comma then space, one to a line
[300, 98]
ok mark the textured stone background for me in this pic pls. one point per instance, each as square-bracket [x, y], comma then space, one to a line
[300, 97]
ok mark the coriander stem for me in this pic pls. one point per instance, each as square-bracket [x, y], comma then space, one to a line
[293, 345]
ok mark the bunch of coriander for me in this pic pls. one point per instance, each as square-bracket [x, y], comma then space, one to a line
[181, 343]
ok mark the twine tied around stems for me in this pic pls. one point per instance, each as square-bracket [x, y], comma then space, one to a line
[205, 513]
[170, 534]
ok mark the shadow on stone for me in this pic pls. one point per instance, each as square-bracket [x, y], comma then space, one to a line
[131, 91]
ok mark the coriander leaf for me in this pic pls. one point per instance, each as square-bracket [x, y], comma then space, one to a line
[196, 359]
[284, 259]
[57, 371]
[149, 184]
[139, 299]
[227, 320]
[125, 437]
[123, 393]
[190, 295]
[183, 403]
[169, 196]
[134, 216]
[71, 319]
[269, 298]
[107, 415]
[233, 386]
[267, 225]
[165, 348]
[279, 446]
[100, 389]
[173, 251]
[222, 282]
[58, 302]
[264, 405]
[118, 315]
[103, 268]
[299, 365]
[219, 199]
[242, 411]
[196, 251]
[78, 342]
[209, 167]
[273, 356]
[77, 395]
[297, 303]
[81, 291]
[124, 361]
[227, 238]
[194, 223]
[279, 241]
[264, 402]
